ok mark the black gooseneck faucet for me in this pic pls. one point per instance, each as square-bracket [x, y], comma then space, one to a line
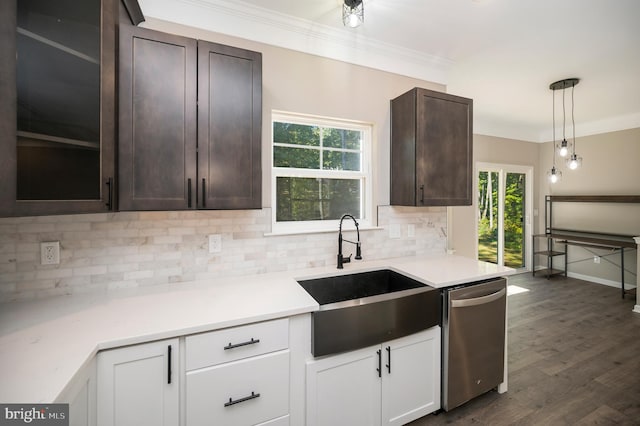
[342, 260]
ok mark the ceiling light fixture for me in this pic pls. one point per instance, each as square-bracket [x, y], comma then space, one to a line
[574, 161]
[554, 175]
[563, 146]
[352, 13]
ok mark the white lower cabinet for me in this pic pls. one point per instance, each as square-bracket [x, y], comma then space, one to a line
[411, 384]
[81, 394]
[239, 376]
[139, 385]
[390, 384]
[344, 389]
[246, 392]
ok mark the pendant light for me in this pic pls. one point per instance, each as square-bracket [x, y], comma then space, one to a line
[564, 147]
[554, 175]
[352, 13]
[574, 161]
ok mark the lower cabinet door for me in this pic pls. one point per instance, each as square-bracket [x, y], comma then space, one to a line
[344, 390]
[411, 378]
[139, 385]
[245, 392]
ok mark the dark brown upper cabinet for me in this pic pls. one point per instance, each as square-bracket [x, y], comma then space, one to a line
[57, 106]
[229, 127]
[157, 144]
[431, 149]
[190, 123]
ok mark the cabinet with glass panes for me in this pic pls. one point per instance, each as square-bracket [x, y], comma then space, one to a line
[57, 129]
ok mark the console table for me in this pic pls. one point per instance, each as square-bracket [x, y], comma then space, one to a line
[566, 237]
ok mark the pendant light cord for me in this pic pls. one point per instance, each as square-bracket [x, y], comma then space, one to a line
[573, 119]
[564, 116]
[553, 120]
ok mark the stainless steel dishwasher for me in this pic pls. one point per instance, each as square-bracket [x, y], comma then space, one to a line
[473, 340]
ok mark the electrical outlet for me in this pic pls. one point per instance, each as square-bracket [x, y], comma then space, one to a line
[411, 230]
[215, 243]
[50, 253]
[394, 230]
[596, 259]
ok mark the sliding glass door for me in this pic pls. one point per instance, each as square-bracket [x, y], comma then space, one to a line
[504, 194]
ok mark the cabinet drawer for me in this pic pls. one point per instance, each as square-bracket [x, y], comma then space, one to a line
[244, 392]
[216, 347]
[280, 421]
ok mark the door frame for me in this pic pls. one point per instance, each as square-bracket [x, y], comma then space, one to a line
[502, 168]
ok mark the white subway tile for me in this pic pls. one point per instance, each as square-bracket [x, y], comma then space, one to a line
[137, 275]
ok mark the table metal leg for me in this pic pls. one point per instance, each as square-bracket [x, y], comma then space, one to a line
[622, 270]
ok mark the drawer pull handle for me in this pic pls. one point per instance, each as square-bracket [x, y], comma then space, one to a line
[237, 345]
[238, 401]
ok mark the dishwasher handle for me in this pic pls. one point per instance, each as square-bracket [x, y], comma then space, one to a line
[463, 303]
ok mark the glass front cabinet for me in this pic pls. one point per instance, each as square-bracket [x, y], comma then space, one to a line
[57, 106]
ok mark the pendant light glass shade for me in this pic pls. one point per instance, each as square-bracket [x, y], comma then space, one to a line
[554, 175]
[564, 148]
[352, 13]
[574, 161]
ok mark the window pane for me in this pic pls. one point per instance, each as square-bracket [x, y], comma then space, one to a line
[301, 199]
[301, 158]
[341, 138]
[339, 160]
[296, 134]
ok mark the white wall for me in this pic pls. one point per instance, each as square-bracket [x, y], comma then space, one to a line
[610, 167]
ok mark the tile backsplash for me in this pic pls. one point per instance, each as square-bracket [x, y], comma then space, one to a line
[106, 251]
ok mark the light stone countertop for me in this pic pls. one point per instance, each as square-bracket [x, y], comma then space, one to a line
[43, 343]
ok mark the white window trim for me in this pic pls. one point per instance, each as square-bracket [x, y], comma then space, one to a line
[317, 226]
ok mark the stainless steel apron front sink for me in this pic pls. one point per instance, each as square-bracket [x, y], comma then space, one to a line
[368, 308]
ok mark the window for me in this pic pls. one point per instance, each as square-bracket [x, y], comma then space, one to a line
[321, 170]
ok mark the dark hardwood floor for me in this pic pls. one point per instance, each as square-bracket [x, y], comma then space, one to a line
[574, 359]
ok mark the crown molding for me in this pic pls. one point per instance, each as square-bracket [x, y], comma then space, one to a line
[253, 23]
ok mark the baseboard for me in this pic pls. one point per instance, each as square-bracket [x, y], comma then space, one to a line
[636, 309]
[597, 280]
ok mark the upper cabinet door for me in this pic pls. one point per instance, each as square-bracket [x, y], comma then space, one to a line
[157, 167]
[431, 149]
[229, 127]
[57, 106]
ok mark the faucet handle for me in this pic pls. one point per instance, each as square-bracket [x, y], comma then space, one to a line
[342, 260]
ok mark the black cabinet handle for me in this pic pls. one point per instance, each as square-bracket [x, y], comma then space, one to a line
[421, 194]
[246, 398]
[109, 204]
[204, 199]
[237, 345]
[379, 369]
[169, 365]
[389, 359]
[189, 192]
